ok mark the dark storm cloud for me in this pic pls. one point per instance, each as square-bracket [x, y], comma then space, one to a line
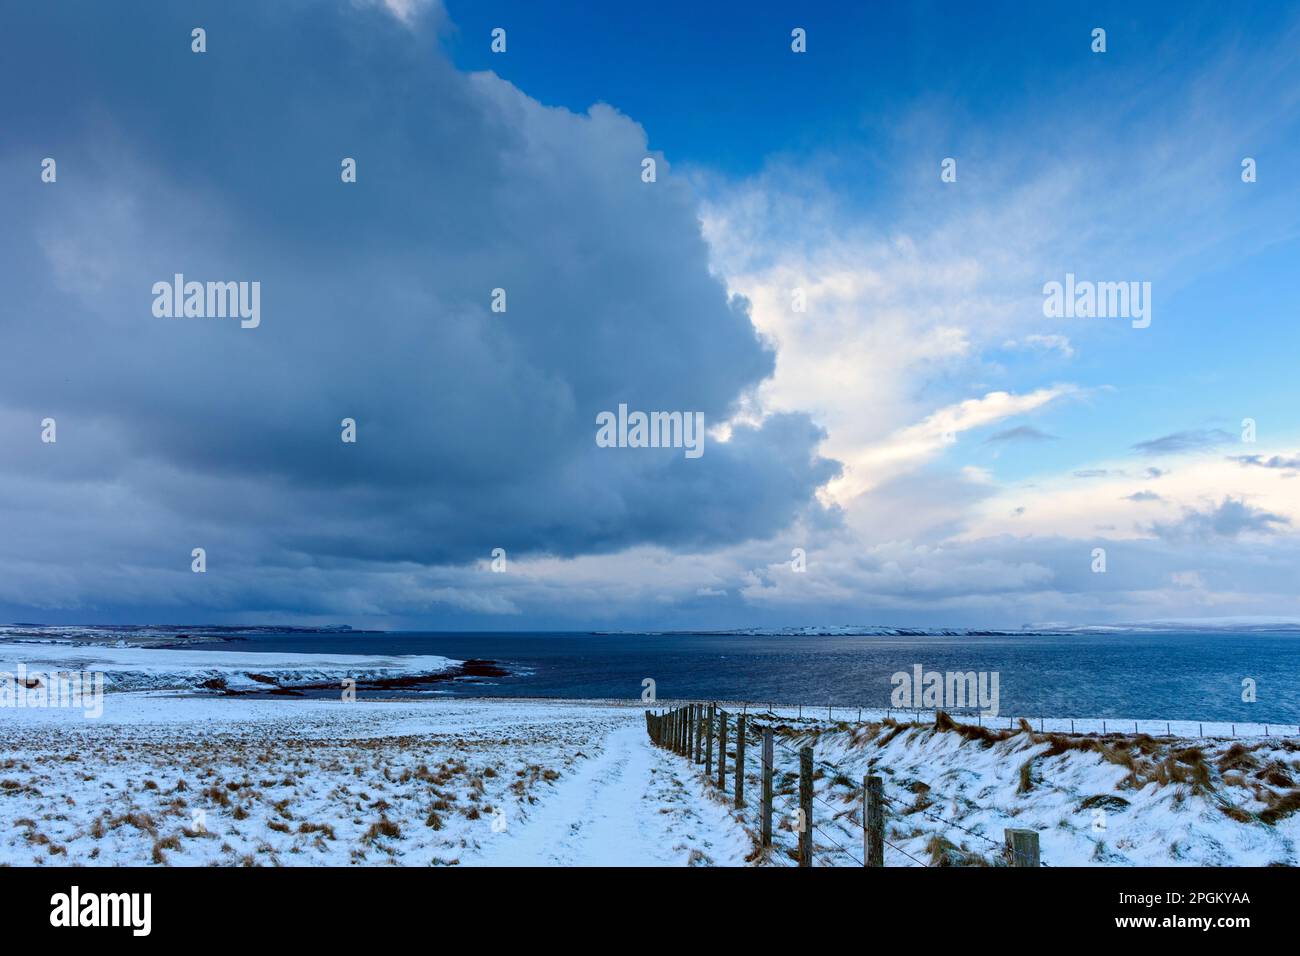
[475, 429]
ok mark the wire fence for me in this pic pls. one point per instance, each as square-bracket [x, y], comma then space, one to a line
[693, 730]
[846, 713]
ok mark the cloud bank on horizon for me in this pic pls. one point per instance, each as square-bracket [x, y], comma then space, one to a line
[897, 431]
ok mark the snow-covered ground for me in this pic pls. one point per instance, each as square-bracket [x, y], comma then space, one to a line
[185, 780]
[133, 668]
[179, 778]
[162, 778]
[1119, 799]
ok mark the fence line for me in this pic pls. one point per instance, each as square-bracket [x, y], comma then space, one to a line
[1074, 725]
[681, 728]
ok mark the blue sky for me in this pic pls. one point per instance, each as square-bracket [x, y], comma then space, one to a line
[941, 450]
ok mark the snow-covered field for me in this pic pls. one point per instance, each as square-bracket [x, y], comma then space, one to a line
[192, 781]
[181, 778]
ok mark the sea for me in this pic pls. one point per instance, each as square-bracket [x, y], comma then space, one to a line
[1166, 675]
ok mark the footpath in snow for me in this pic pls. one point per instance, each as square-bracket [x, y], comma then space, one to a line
[632, 805]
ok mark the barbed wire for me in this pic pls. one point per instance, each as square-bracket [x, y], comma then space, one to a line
[923, 810]
[905, 853]
[926, 811]
[837, 813]
[836, 843]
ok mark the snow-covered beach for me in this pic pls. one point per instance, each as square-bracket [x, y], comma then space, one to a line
[179, 777]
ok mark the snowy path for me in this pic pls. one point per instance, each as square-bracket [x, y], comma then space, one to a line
[630, 805]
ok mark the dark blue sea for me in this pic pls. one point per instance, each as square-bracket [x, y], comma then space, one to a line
[1165, 675]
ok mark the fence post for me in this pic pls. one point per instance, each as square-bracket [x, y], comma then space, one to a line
[699, 733]
[805, 805]
[677, 744]
[873, 821]
[708, 747]
[767, 787]
[1024, 846]
[722, 750]
[740, 761]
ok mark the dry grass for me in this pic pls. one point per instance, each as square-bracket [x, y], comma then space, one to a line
[382, 827]
[166, 843]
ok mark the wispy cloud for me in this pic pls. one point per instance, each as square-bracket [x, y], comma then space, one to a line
[1021, 433]
[1143, 496]
[1291, 463]
[1179, 442]
[1228, 519]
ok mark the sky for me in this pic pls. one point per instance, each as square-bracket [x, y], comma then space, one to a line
[897, 431]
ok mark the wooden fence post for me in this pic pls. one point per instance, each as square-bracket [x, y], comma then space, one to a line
[740, 761]
[699, 733]
[1024, 846]
[708, 747]
[873, 821]
[805, 805]
[722, 750]
[767, 787]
